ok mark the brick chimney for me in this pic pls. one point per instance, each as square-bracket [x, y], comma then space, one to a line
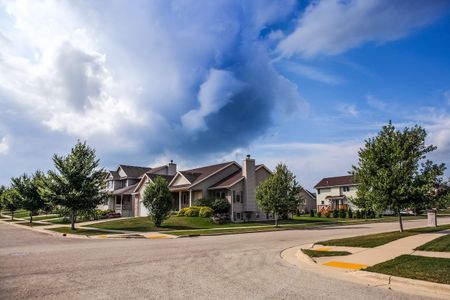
[248, 171]
[172, 168]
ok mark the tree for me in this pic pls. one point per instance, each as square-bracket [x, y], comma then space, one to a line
[2, 190]
[11, 201]
[158, 200]
[28, 189]
[392, 171]
[278, 193]
[78, 182]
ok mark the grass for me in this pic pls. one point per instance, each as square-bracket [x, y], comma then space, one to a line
[44, 217]
[441, 244]
[21, 213]
[82, 231]
[315, 253]
[31, 224]
[432, 269]
[375, 240]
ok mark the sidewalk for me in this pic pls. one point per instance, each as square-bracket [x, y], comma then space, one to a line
[364, 257]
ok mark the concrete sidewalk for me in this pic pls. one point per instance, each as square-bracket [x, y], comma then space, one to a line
[364, 257]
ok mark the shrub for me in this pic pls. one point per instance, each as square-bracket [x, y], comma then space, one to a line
[319, 214]
[335, 213]
[192, 211]
[220, 206]
[327, 213]
[311, 213]
[205, 211]
[203, 202]
[350, 213]
[342, 213]
[182, 212]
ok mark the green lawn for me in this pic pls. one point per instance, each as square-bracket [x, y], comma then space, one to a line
[44, 217]
[79, 231]
[21, 213]
[315, 253]
[416, 267]
[441, 244]
[375, 240]
[31, 224]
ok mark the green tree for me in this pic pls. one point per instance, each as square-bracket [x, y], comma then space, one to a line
[11, 201]
[392, 171]
[2, 190]
[278, 193]
[158, 200]
[28, 189]
[78, 182]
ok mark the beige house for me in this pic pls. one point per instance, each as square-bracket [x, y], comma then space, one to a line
[237, 184]
[307, 201]
[334, 193]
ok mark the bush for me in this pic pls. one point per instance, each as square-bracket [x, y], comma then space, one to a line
[319, 214]
[220, 206]
[335, 213]
[192, 211]
[350, 213]
[342, 213]
[327, 214]
[358, 214]
[311, 213]
[205, 212]
[182, 212]
[203, 202]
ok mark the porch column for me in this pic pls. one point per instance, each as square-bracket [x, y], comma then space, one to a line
[190, 198]
[179, 200]
[121, 205]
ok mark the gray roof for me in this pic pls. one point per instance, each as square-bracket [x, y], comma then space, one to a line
[134, 171]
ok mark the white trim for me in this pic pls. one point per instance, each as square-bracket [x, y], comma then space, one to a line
[174, 177]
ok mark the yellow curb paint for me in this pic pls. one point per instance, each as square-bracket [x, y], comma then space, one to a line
[323, 249]
[102, 237]
[345, 265]
[156, 236]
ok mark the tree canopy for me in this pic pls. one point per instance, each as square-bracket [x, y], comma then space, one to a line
[158, 200]
[11, 200]
[393, 172]
[28, 189]
[78, 182]
[278, 193]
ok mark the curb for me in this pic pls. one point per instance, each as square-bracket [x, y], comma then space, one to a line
[401, 284]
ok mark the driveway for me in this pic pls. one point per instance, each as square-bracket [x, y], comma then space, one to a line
[243, 266]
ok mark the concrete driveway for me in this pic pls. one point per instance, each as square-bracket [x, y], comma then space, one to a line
[243, 266]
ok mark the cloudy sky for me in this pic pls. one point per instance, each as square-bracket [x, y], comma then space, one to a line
[207, 81]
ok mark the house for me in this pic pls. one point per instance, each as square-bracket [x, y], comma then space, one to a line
[121, 185]
[307, 201]
[229, 180]
[334, 193]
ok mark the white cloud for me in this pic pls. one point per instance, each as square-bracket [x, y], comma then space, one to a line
[348, 109]
[332, 27]
[376, 103]
[4, 145]
[312, 73]
[447, 97]
[312, 161]
[215, 93]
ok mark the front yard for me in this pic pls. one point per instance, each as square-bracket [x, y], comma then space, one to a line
[81, 231]
[416, 267]
[375, 240]
[441, 244]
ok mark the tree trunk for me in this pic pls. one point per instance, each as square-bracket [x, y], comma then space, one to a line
[276, 219]
[31, 217]
[72, 220]
[12, 215]
[400, 221]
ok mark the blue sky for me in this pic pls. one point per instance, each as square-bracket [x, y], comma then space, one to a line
[200, 82]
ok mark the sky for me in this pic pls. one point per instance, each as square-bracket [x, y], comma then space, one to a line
[203, 82]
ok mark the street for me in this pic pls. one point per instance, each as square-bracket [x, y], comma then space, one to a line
[243, 266]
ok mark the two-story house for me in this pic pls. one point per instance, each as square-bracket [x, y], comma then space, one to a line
[334, 193]
[231, 181]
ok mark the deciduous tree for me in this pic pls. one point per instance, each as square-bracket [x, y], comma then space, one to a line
[392, 171]
[11, 201]
[278, 193]
[158, 200]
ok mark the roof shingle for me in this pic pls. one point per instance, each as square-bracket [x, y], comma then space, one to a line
[336, 181]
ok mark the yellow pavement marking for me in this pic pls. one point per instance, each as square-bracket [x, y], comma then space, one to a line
[345, 265]
[157, 236]
[102, 237]
[323, 249]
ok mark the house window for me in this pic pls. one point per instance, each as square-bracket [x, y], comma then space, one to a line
[118, 200]
[318, 191]
[346, 189]
[238, 198]
[257, 215]
[323, 202]
[238, 216]
[220, 195]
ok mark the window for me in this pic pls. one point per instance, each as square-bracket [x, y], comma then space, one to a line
[257, 215]
[118, 200]
[318, 191]
[238, 216]
[323, 202]
[221, 195]
[346, 189]
[238, 198]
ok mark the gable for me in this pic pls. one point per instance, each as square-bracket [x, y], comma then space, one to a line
[179, 180]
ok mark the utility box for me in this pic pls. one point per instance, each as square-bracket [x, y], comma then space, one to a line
[431, 217]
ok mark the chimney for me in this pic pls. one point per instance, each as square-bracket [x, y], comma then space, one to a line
[248, 171]
[172, 168]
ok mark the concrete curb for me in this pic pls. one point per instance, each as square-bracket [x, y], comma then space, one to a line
[401, 284]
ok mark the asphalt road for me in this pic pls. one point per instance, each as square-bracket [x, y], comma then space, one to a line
[244, 266]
